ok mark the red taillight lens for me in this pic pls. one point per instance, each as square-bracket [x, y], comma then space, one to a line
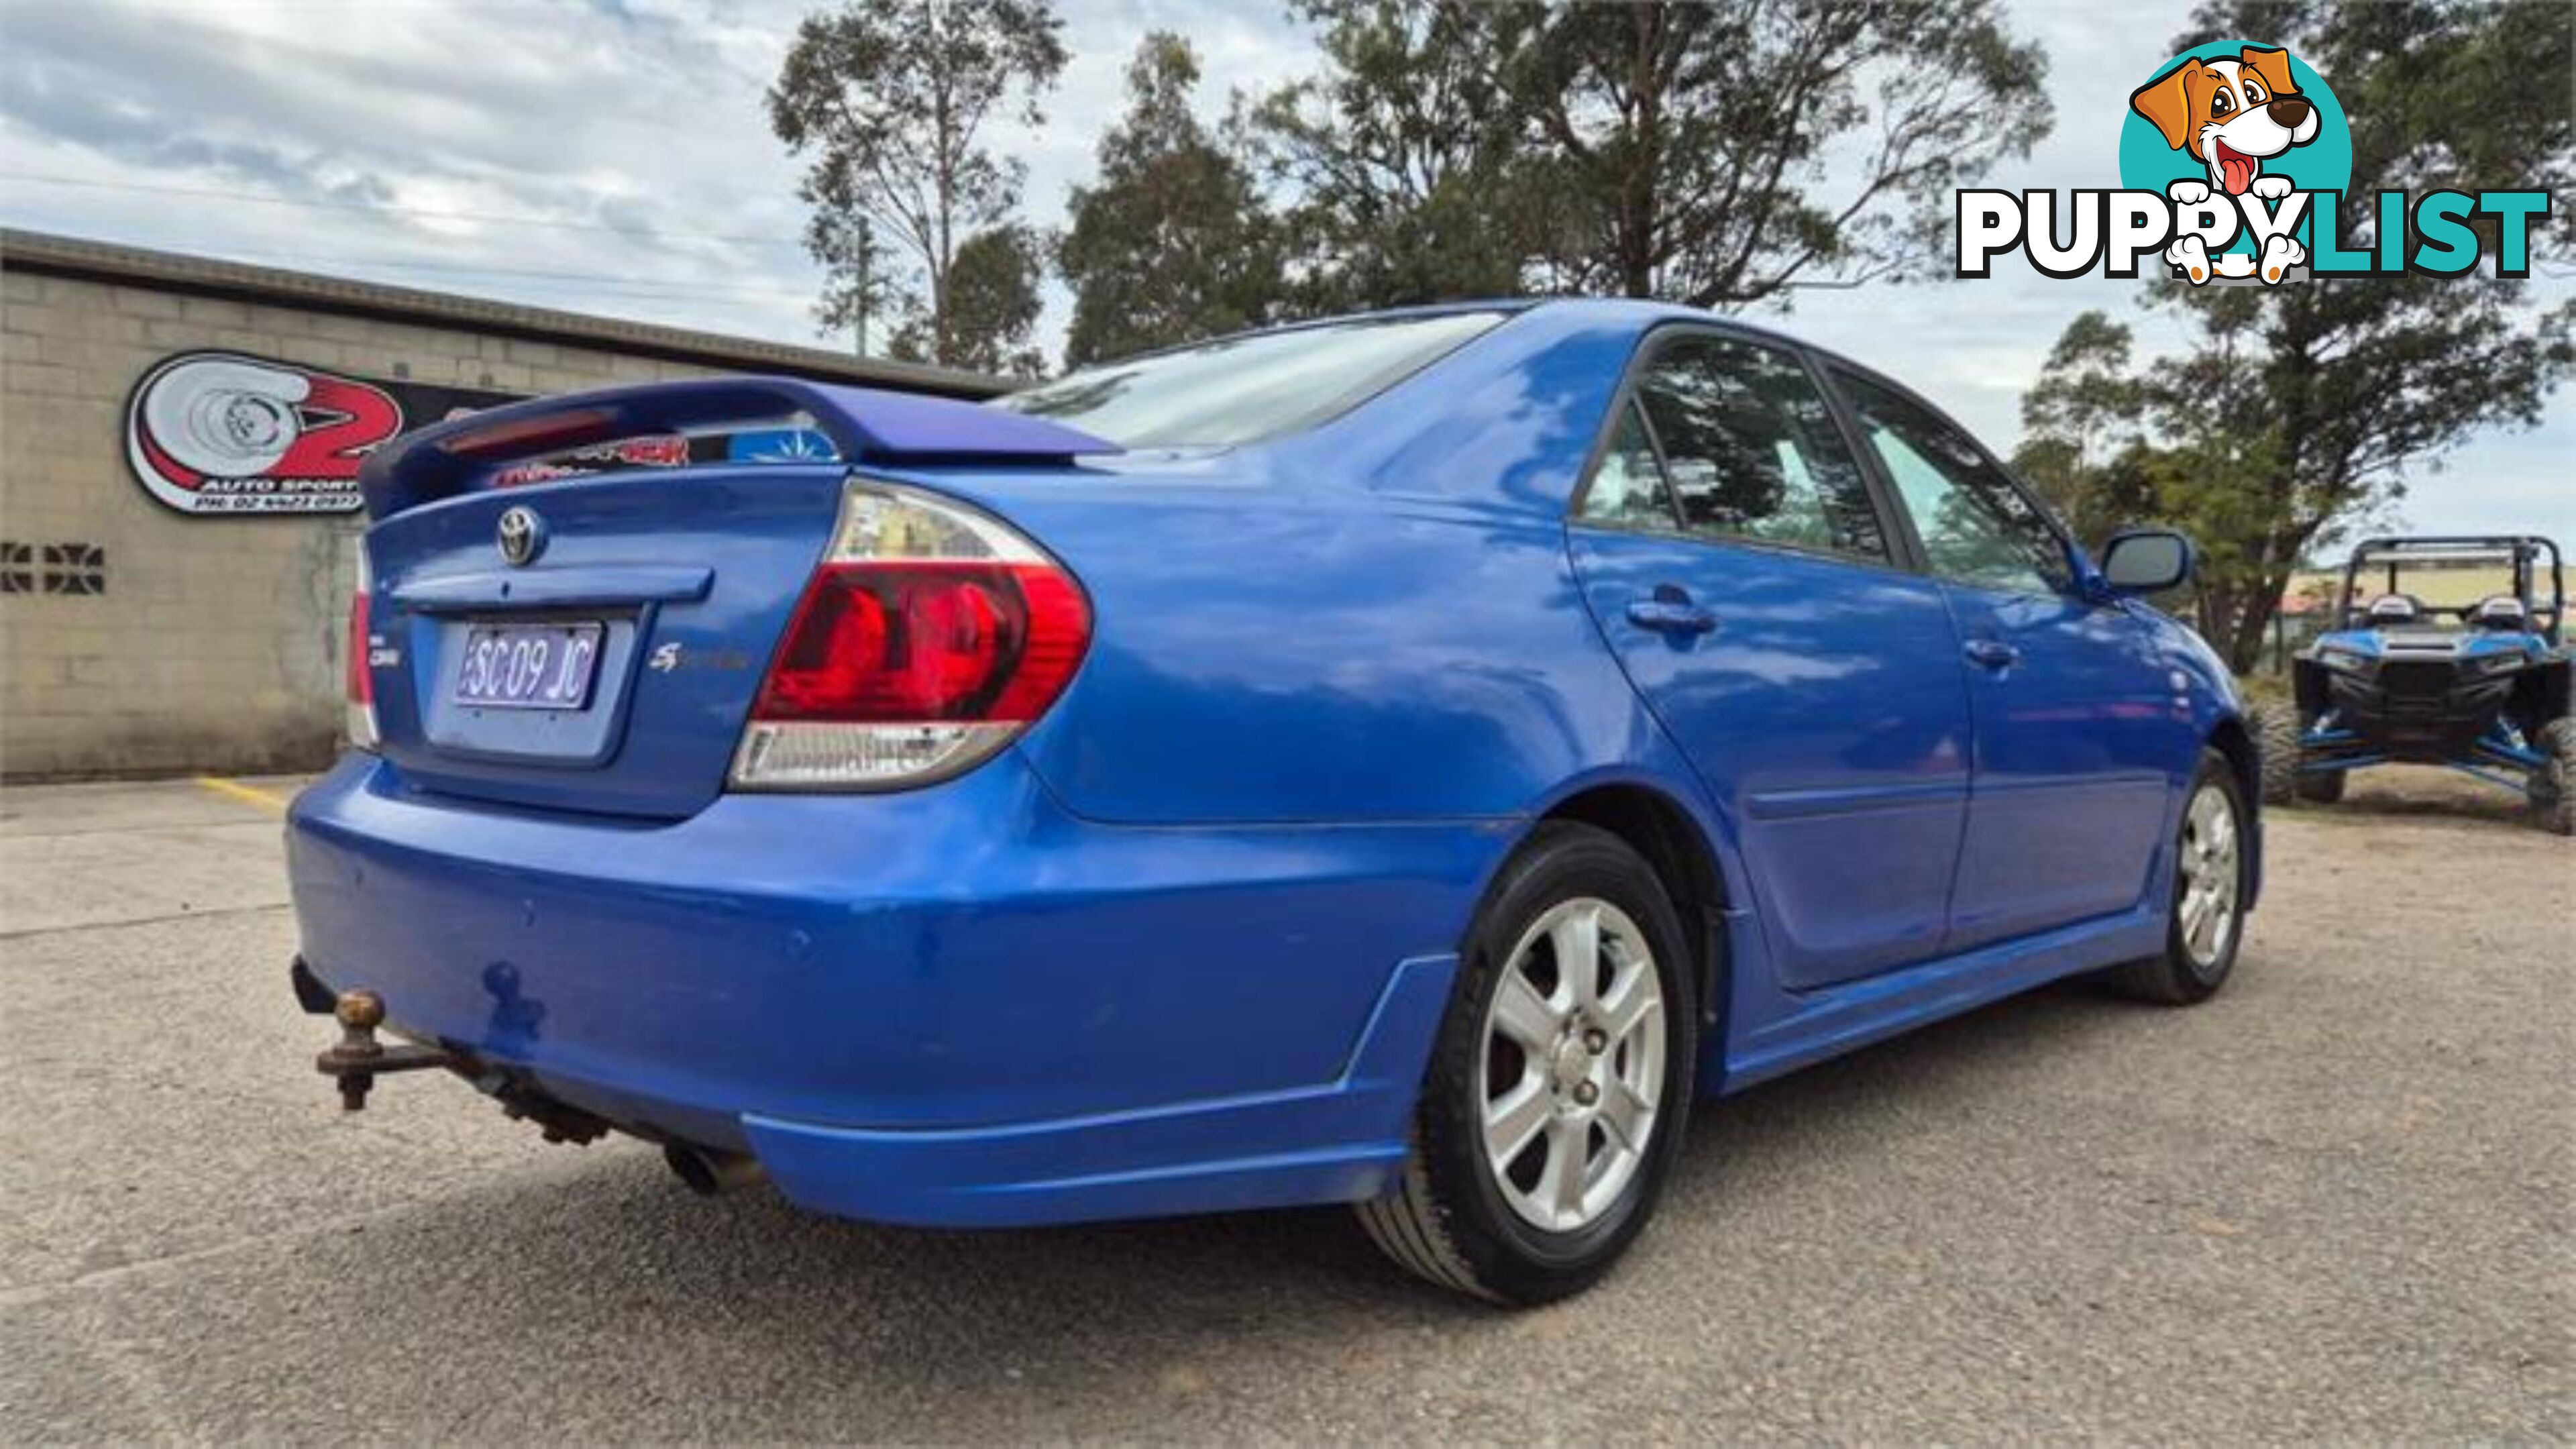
[358, 673]
[361, 679]
[901, 643]
[928, 638]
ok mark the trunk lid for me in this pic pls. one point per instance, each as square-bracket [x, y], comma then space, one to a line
[687, 579]
[595, 643]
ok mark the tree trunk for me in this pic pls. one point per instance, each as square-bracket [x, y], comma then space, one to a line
[1637, 188]
[2244, 647]
[943, 347]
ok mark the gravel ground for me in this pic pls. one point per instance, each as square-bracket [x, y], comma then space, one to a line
[2333, 1203]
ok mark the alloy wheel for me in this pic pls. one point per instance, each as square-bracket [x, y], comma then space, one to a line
[1572, 1064]
[2211, 844]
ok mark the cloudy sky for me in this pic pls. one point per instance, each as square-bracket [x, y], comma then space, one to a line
[611, 156]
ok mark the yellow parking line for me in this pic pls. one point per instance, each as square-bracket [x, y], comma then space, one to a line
[247, 794]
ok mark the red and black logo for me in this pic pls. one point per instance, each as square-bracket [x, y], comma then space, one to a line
[218, 432]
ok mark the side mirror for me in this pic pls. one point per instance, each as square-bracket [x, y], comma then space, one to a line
[2146, 561]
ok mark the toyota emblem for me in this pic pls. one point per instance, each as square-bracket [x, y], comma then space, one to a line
[522, 535]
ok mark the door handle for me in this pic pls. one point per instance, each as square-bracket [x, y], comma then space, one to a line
[1991, 653]
[1670, 611]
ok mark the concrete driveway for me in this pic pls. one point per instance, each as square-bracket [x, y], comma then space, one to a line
[2336, 1202]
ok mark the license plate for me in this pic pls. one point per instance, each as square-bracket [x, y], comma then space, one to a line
[528, 666]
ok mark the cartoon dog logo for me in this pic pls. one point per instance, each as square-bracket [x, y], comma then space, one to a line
[2231, 116]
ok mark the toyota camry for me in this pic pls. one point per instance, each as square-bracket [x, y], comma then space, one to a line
[1404, 761]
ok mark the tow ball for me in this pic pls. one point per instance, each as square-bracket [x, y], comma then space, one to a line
[360, 1058]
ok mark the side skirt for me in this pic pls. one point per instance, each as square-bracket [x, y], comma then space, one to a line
[1843, 1018]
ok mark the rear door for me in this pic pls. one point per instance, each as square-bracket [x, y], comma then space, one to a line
[2080, 730]
[1734, 553]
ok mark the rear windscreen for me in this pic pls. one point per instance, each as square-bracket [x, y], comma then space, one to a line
[1258, 385]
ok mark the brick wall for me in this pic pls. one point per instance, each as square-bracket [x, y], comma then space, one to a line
[209, 644]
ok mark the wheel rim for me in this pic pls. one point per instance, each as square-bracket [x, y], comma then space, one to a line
[1572, 1065]
[2205, 913]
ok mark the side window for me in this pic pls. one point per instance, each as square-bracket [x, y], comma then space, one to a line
[1976, 526]
[1752, 449]
[1628, 487]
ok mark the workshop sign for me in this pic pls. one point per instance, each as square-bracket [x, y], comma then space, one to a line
[223, 433]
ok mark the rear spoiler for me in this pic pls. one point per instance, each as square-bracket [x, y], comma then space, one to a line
[863, 423]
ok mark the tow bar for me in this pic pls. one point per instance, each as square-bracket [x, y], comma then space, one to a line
[359, 1058]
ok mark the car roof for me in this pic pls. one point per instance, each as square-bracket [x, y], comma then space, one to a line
[1647, 313]
[1641, 314]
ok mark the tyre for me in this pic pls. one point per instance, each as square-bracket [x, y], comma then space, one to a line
[2553, 784]
[1554, 1104]
[2276, 742]
[2211, 869]
[2321, 787]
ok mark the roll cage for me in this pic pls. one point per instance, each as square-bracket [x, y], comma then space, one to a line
[2524, 551]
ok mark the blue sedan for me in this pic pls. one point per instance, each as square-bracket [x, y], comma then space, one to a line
[1403, 760]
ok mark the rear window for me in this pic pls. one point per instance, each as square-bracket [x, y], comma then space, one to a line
[1246, 388]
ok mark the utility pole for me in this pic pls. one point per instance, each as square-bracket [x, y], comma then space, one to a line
[866, 244]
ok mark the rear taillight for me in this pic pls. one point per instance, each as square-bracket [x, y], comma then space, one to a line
[359, 672]
[929, 636]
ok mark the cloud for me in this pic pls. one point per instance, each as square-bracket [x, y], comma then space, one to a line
[614, 156]
[609, 157]
[2500, 482]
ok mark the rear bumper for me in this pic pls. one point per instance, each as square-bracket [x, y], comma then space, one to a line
[1340, 1141]
[959, 1006]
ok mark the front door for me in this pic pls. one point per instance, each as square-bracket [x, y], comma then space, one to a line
[1733, 552]
[2079, 728]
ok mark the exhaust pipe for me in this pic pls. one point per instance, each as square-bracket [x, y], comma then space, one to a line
[708, 1173]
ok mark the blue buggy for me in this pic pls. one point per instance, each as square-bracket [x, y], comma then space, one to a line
[2481, 687]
